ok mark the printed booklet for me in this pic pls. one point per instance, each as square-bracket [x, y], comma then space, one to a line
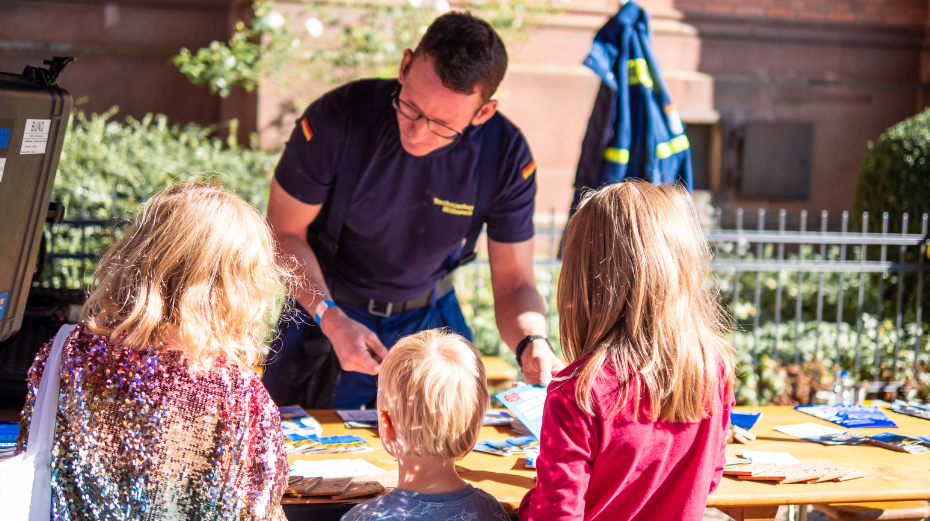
[526, 403]
[900, 443]
[850, 416]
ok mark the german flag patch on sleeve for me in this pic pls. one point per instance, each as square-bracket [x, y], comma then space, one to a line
[529, 168]
[305, 126]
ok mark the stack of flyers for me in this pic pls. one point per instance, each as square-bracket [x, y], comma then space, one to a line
[520, 445]
[900, 443]
[822, 434]
[840, 438]
[800, 472]
[733, 461]
[306, 426]
[850, 416]
[497, 418]
[291, 412]
[367, 419]
[911, 409]
[519, 428]
[297, 444]
[9, 431]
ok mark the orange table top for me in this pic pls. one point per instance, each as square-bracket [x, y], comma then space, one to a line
[892, 475]
[505, 477]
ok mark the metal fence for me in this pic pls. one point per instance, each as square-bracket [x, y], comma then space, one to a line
[759, 257]
[784, 280]
[859, 254]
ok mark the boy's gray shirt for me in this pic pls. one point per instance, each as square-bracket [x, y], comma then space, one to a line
[468, 504]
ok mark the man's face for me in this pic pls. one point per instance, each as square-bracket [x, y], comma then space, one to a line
[423, 90]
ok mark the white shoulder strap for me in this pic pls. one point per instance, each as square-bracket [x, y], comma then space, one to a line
[45, 409]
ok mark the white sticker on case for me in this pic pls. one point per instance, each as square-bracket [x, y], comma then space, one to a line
[35, 137]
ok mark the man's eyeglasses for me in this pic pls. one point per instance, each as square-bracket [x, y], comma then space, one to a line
[406, 110]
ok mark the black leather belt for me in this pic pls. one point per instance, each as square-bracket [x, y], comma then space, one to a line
[341, 293]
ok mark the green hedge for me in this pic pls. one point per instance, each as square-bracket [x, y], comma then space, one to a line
[895, 177]
[109, 167]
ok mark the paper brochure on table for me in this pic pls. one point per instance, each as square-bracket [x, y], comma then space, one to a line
[368, 415]
[526, 403]
[808, 430]
[334, 468]
[849, 416]
[778, 458]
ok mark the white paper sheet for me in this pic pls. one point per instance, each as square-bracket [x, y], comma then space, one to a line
[779, 458]
[334, 468]
[808, 430]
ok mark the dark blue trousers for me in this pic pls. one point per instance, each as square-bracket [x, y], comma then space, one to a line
[357, 389]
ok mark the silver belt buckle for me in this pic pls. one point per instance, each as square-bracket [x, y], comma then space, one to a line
[383, 314]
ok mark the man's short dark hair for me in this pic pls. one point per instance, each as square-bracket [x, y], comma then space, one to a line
[466, 52]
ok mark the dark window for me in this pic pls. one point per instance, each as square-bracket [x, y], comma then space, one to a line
[699, 136]
[777, 159]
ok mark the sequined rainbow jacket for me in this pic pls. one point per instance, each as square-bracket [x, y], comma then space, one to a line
[142, 435]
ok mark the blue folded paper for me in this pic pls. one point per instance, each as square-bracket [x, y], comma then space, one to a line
[744, 420]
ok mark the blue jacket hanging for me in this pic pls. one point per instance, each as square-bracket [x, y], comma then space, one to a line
[634, 130]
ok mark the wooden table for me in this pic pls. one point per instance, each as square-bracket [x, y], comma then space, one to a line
[893, 476]
[505, 477]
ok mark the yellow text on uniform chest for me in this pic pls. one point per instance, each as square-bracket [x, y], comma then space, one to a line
[454, 208]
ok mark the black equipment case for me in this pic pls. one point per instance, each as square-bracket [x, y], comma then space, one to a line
[34, 115]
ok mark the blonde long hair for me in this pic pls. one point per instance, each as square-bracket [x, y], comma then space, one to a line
[198, 269]
[634, 295]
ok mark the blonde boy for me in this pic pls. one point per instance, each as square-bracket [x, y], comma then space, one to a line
[432, 396]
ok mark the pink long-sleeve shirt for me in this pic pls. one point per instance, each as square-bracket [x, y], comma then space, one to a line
[617, 468]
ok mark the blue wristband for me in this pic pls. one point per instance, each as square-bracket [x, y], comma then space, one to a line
[329, 304]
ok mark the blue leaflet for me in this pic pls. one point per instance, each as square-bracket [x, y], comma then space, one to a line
[850, 416]
[744, 420]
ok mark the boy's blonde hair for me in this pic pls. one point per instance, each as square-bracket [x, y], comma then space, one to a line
[197, 269]
[432, 385]
[634, 294]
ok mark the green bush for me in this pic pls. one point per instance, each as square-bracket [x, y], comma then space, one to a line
[364, 39]
[108, 168]
[895, 177]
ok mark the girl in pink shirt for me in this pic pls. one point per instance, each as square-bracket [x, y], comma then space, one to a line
[635, 427]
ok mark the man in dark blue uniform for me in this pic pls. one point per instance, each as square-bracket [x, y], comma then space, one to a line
[418, 147]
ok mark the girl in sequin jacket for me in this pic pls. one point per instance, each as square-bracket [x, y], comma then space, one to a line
[160, 414]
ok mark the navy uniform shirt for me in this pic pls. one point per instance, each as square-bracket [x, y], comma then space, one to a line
[408, 215]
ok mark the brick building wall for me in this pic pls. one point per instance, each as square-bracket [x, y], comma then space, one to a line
[123, 48]
[848, 68]
[886, 12]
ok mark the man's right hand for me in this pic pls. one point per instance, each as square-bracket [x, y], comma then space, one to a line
[357, 347]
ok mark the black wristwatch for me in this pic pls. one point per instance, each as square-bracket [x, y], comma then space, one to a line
[521, 347]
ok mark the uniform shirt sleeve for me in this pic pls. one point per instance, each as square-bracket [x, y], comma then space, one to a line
[563, 468]
[511, 217]
[313, 152]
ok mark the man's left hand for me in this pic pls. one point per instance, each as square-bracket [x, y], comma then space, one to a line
[540, 364]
